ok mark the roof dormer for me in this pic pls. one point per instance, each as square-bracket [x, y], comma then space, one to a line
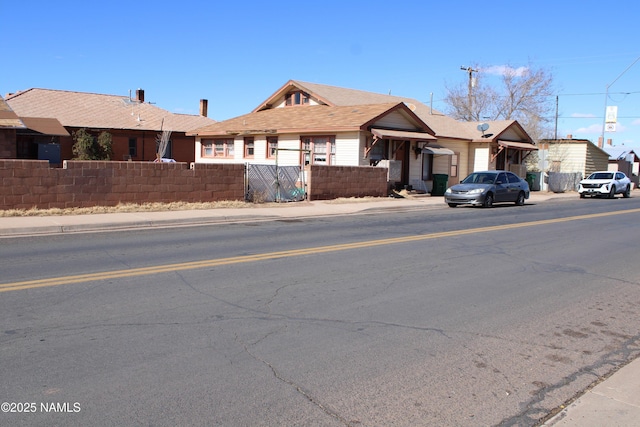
[296, 98]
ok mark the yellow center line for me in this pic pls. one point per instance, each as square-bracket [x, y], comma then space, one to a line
[107, 275]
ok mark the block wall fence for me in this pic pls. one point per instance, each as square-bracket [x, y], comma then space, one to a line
[332, 182]
[27, 184]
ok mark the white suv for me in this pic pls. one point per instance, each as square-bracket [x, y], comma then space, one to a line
[605, 183]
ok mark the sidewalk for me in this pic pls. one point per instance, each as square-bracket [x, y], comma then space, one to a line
[613, 402]
[43, 225]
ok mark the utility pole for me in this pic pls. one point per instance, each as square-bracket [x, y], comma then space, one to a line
[606, 97]
[470, 98]
[556, 131]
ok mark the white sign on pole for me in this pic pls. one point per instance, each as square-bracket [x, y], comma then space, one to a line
[612, 114]
[610, 127]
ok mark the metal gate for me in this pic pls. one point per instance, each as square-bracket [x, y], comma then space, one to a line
[273, 183]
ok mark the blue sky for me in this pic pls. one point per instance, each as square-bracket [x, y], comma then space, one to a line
[237, 53]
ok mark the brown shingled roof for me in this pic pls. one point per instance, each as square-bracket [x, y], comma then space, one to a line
[443, 126]
[90, 110]
[45, 126]
[8, 118]
[318, 118]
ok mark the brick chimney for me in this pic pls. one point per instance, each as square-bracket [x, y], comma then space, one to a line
[569, 136]
[600, 142]
[140, 95]
[204, 106]
[610, 141]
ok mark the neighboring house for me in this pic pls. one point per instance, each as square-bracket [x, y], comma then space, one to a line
[52, 116]
[305, 123]
[625, 160]
[571, 155]
[10, 123]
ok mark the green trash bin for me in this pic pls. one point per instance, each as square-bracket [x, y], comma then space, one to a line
[439, 184]
[530, 179]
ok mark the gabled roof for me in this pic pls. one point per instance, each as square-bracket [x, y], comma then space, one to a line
[313, 118]
[621, 153]
[90, 110]
[587, 142]
[334, 96]
[8, 118]
[443, 126]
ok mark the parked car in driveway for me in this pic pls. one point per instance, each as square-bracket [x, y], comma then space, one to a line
[605, 183]
[486, 188]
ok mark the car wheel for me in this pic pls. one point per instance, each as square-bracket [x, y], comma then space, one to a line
[627, 192]
[612, 193]
[488, 201]
[452, 205]
[520, 199]
[582, 196]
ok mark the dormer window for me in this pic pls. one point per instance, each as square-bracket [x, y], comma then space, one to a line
[296, 98]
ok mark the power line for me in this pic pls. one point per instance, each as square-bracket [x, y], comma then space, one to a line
[598, 93]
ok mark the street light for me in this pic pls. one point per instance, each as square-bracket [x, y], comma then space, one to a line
[606, 97]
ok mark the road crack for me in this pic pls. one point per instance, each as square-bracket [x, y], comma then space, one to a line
[304, 393]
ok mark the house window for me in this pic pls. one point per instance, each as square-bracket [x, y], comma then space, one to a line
[296, 98]
[249, 148]
[133, 147]
[272, 147]
[454, 165]
[218, 147]
[319, 150]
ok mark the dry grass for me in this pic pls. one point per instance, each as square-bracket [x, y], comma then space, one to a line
[147, 207]
[175, 206]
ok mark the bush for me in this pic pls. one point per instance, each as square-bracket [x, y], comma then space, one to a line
[87, 147]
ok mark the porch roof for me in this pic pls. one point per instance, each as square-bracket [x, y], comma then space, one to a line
[45, 126]
[518, 145]
[401, 134]
[437, 150]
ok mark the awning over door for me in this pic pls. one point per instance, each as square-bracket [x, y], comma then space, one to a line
[437, 151]
[518, 145]
[402, 134]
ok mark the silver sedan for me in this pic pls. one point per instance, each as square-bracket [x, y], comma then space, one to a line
[486, 188]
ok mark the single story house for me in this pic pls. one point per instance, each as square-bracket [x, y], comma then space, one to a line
[570, 155]
[52, 116]
[309, 123]
[625, 160]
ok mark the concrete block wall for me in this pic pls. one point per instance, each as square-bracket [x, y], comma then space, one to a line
[332, 182]
[26, 184]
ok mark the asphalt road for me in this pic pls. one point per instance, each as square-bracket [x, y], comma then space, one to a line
[461, 317]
